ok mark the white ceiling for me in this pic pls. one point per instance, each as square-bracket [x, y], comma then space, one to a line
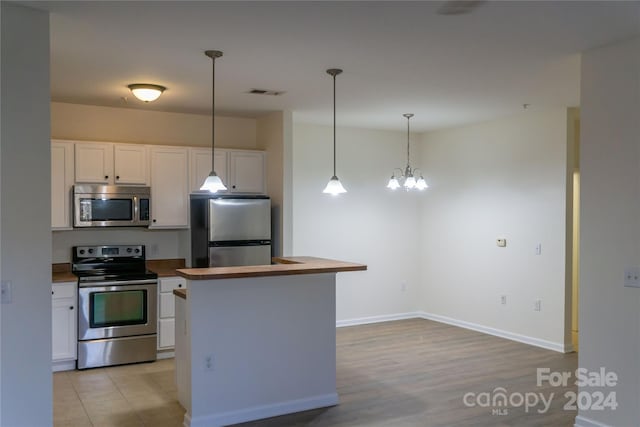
[397, 56]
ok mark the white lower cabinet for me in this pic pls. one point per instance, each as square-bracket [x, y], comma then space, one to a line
[64, 321]
[166, 310]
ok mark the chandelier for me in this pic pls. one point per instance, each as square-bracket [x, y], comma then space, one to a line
[407, 178]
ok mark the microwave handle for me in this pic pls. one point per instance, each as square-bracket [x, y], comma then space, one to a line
[136, 214]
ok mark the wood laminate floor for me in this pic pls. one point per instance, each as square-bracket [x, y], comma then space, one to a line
[410, 373]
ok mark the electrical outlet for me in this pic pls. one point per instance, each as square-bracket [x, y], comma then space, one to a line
[537, 305]
[501, 242]
[208, 363]
[153, 249]
[503, 300]
[403, 286]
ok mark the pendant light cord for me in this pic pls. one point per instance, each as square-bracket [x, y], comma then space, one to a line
[408, 157]
[334, 125]
[213, 104]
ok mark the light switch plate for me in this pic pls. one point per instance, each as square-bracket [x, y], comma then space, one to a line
[501, 242]
[632, 277]
[6, 292]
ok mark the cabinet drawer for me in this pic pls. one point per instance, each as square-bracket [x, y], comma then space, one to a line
[171, 283]
[63, 290]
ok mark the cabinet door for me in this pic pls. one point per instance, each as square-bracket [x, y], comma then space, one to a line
[166, 333]
[61, 183]
[63, 329]
[200, 166]
[246, 172]
[94, 163]
[169, 187]
[130, 164]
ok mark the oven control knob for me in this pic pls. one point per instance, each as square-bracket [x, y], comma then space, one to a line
[129, 250]
[81, 251]
[137, 250]
[90, 251]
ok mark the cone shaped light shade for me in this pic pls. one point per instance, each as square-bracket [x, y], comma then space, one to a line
[410, 182]
[334, 186]
[213, 183]
[422, 184]
[393, 183]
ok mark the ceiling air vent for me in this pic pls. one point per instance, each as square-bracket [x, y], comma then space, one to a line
[459, 7]
[266, 92]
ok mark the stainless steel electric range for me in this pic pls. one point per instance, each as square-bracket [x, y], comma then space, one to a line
[117, 300]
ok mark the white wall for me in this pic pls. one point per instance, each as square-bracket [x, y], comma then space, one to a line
[504, 178]
[25, 232]
[271, 133]
[160, 244]
[610, 232]
[95, 123]
[369, 224]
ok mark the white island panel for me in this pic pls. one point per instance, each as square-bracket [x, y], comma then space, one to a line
[258, 347]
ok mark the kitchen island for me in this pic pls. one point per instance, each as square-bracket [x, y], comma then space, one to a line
[258, 341]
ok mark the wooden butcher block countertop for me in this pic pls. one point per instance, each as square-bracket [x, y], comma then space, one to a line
[285, 266]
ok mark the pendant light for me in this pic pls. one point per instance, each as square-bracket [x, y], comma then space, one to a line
[408, 176]
[334, 186]
[213, 183]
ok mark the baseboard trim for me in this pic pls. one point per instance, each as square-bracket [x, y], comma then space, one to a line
[377, 319]
[165, 355]
[65, 365]
[549, 345]
[586, 422]
[262, 411]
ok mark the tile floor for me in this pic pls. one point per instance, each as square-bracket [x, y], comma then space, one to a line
[121, 396]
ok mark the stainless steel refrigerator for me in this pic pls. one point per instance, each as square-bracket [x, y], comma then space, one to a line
[229, 230]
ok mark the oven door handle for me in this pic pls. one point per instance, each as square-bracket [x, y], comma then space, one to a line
[117, 283]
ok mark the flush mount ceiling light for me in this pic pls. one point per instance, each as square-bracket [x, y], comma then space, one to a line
[146, 92]
[408, 177]
[213, 183]
[334, 186]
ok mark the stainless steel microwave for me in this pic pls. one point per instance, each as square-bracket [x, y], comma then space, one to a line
[111, 206]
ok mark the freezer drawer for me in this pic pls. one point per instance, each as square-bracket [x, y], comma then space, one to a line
[239, 219]
[228, 256]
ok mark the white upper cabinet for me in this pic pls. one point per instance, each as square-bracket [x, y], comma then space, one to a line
[200, 166]
[169, 187]
[61, 182]
[246, 172]
[94, 163]
[105, 163]
[130, 164]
